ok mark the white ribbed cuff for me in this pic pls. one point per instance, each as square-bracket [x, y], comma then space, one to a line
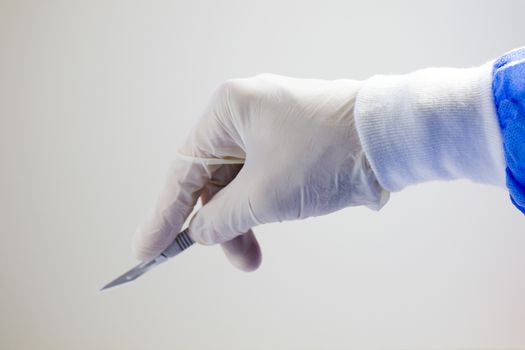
[433, 124]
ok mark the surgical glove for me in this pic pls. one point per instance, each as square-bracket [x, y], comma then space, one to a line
[301, 157]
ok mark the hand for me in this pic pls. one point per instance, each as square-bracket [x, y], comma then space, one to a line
[302, 157]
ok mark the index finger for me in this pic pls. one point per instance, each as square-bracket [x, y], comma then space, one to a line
[182, 189]
[208, 147]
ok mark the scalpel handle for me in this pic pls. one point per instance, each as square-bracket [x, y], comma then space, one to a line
[181, 242]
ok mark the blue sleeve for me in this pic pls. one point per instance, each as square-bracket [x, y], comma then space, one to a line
[508, 87]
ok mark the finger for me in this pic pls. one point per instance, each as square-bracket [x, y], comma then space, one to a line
[181, 191]
[243, 251]
[211, 139]
[226, 215]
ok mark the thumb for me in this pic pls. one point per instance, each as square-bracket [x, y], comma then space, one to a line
[226, 215]
[243, 251]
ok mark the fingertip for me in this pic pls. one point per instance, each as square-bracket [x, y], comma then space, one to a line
[146, 245]
[243, 252]
[139, 249]
[140, 254]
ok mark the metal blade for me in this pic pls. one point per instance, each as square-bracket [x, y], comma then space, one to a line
[135, 272]
[181, 242]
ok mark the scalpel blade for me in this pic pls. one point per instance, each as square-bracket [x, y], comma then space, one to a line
[181, 242]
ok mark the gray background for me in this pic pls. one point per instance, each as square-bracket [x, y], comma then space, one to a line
[95, 96]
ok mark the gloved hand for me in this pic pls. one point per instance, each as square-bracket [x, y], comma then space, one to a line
[302, 157]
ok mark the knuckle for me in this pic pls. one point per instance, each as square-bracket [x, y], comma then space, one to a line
[243, 90]
[226, 87]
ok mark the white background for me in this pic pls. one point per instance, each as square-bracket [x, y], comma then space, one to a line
[95, 97]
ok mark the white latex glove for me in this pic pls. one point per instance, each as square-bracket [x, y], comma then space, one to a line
[302, 157]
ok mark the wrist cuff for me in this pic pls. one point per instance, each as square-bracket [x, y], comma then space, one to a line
[433, 124]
